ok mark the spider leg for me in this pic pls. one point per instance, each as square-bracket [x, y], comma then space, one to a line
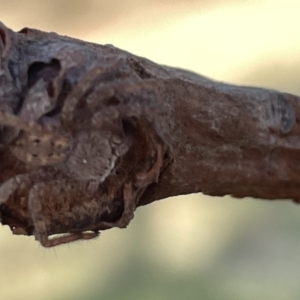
[49, 192]
[127, 100]
[128, 212]
[41, 99]
[37, 103]
[83, 86]
[87, 84]
[143, 179]
[12, 185]
[12, 120]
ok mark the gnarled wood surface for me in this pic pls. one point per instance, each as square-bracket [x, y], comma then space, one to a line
[185, 133]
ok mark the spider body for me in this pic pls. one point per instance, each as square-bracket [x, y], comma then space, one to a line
[72, 163]
[82, 151]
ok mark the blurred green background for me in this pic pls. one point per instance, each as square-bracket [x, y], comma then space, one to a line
[192, 247]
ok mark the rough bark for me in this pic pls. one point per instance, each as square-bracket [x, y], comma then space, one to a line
[183, 134]
[230, 140]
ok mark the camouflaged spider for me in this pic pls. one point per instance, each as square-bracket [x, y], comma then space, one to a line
[85, 152]
[71, 134]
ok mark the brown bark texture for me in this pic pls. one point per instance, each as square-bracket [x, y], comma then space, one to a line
[90, 132]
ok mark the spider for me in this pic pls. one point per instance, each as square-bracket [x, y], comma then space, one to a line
[72, 153]
[83, 152]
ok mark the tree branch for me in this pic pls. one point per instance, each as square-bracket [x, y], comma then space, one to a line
[230, 140]
[167, 132]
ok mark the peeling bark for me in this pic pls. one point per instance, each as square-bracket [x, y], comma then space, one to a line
[168, 131]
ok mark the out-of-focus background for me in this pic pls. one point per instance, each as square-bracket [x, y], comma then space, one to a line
[193, 247]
